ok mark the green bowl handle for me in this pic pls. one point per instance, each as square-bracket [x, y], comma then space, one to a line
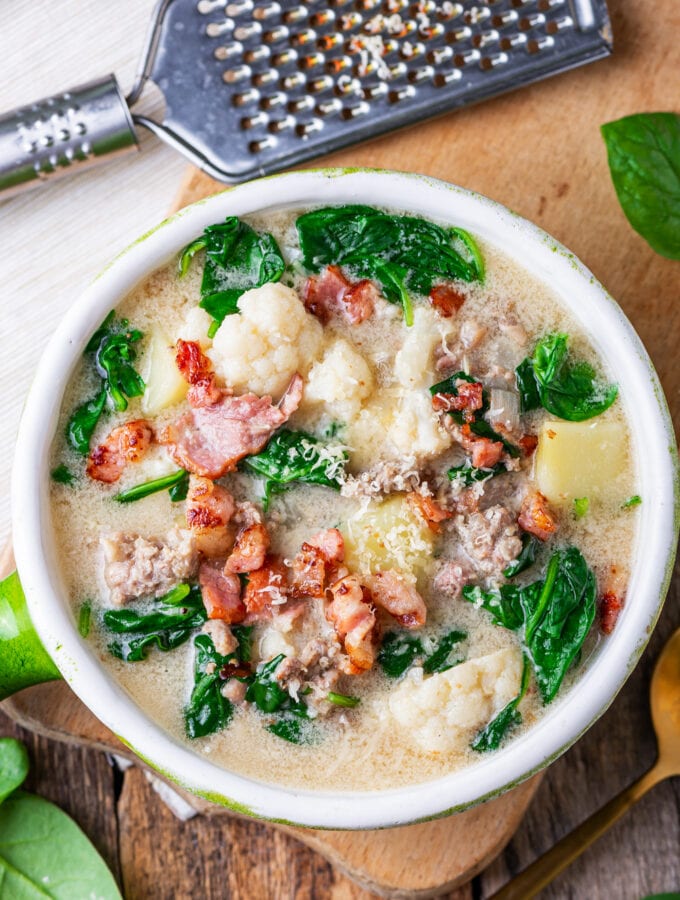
[23, 659]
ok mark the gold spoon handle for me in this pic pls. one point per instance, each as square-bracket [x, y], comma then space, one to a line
[540, 873]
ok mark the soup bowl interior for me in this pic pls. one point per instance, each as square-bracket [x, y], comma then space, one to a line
[568, 716]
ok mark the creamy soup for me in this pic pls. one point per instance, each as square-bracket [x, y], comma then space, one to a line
[345, 500]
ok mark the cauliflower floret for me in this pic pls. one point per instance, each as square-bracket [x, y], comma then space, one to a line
[342, 380]
[415, 428]
[444, 712]
[195, 327]
[272, 338]
[414, 363]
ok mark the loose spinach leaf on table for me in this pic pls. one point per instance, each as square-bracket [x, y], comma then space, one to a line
[404, 253]
[166, 629]
[565, 388]
[526, 558]
[13, 767]
[644, 161]
[490, 737]
[178, 479]
[556, 614]
[44, 853]
[112, 350]
[237, 258]
[297, 456]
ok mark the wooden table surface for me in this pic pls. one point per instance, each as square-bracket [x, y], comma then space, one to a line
[538, 151]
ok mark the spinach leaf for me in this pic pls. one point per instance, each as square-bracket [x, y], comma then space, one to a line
[62, 475]
[297, 456]
[264, 690]
[529, 397]
[208, 710]
[398, 653]
[84, 618]
[581, 506]
[83, 422]
[13, 767]
[440, 659]
[644, 161]
[564, 615]
[167, 629]
[404, 253]
[490, 737]
[293, 724]
[566, 389]
[166, 482]
[179, 491]
[504, 606]
[342, 700]
[469, 474]
[237, 259]
[526, 558]
[44, 853]
[556, 614]
[632, 502]
[112, 348]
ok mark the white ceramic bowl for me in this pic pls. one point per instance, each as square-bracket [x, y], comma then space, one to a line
[569, 716]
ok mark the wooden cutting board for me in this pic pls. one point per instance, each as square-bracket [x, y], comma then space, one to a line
[538, 151]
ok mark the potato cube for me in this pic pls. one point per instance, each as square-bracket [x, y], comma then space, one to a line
[388, 535]
[164, 384]
[580, 459]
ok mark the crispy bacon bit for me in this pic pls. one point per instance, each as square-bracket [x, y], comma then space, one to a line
[486, 453]
[535, 517]
[210, 440]
[266, 587]
[208, 511]
[429, 509]
[221, 593]
[610, 605]
[332, 294]
[528, 443]
[332, 545]
[309, 572]
[126, 443]
[249, 550]
[395, 595]
[352, 615]
[235, 670]
[468, 399]
[196, 369]
[446, 299]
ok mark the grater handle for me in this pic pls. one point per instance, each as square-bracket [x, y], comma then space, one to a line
[68, 132]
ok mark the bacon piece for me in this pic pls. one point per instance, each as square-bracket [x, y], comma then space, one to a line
[352, 615]
[208, 512]
[535, 516]
[446, 299]
[249, 550]
[470, 397]
[486, 453]
[610, 605]
[429, 509]
[309, 572]
[196, 369]
[210, 440]
[221, 593]
[528, 443]
[332, 545]
[266, 588]
[126, 443]
[331, 294]
[395, 595]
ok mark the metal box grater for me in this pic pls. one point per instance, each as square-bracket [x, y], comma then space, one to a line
[253, 86]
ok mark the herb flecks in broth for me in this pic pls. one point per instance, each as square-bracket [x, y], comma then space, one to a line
[415, 585]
